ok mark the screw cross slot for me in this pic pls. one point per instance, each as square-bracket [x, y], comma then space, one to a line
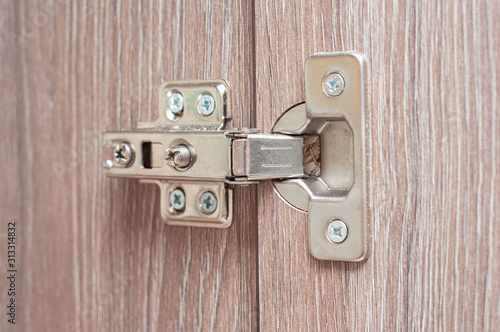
[333, 84]
[178, 200]
[123, 153]
[206, 104]
[208, 202]
[336, 231]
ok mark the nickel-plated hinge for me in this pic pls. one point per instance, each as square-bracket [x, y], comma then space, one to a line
[315, 155]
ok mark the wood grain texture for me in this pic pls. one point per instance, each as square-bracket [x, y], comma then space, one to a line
[94, 254]
[435, 188]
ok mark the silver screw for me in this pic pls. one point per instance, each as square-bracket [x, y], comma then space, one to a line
[206, 104]
[123, 153]
[177, 199]
[175, 102]
[178, 156]
[336, 231]
[208, 202]
[333, 84]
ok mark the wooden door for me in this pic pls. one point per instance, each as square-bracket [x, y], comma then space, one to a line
[435, 188]
[92, 253]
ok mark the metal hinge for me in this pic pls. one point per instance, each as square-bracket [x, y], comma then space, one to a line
[315, 155]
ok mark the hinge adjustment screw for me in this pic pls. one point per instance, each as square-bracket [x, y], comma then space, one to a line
[123, 153]
[178, 156]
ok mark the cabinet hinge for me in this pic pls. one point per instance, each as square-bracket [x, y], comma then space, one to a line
[315, 155]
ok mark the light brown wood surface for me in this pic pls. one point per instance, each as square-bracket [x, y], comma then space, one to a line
[93, 253]
[435, 188]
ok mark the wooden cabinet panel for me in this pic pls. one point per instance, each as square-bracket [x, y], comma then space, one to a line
[435, 189]
[94, 253]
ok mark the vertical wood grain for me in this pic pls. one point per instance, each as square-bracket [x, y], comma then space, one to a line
[435, 187]
[11, 204]
[95, 255]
